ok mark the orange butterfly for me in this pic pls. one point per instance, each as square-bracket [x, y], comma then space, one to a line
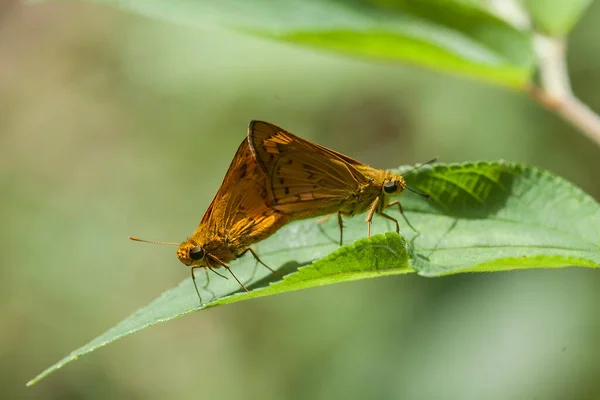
[237, 217]
[308, 180]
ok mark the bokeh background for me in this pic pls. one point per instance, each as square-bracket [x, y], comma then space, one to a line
[114, 125]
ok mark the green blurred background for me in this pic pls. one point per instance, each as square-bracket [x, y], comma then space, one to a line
[114, 125]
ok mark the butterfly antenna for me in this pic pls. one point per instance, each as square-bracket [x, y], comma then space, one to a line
[434, 159]
[135, 239]
[427, 196]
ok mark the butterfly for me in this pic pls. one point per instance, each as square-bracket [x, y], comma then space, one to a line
[306, 180]
[237, 218]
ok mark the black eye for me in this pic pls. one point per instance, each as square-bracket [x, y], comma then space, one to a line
[197, 253]
[390, 187]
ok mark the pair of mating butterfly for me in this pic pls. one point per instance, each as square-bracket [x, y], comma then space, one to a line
[276, 177]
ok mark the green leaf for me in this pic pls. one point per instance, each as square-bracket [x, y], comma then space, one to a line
[555, 17]
[447, 35]
[483, 216]
[502, 216]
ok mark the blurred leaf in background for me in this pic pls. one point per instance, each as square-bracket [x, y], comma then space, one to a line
[447, 35]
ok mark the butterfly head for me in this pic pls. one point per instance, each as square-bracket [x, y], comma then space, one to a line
[393, 185]
[192, 255]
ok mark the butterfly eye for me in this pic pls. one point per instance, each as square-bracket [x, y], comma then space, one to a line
[197, 253]
[390, 187]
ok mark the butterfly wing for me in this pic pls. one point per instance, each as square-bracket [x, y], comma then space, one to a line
[303, 177]
[239, 216]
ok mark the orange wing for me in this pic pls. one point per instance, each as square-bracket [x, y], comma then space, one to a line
[238, 214]
[303, 177]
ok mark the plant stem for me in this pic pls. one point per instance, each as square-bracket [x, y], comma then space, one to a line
[555, 91]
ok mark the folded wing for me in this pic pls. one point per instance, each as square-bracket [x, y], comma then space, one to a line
[302, 175]
[239, 214]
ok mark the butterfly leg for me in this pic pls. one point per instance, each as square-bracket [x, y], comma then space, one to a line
[207, 279]
[195, 285]
[341, 225]
[393, 203]
[260, 261]
[324, 219]
[230, 271]
[207, 284]
[257, 258]
[393, 220]
[253, 274]
[372, 211]
[214, 271]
